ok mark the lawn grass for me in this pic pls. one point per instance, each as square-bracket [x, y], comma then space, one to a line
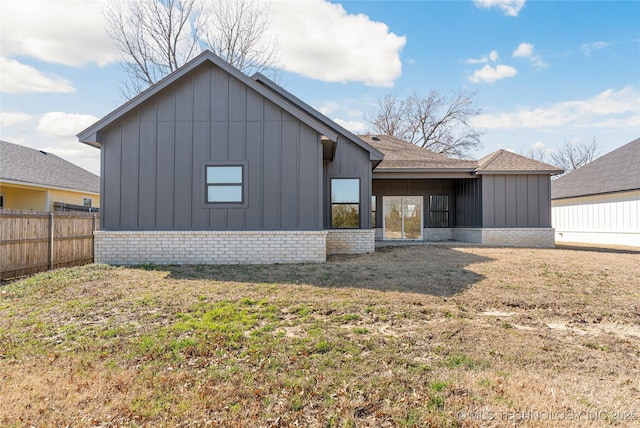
[409, 336]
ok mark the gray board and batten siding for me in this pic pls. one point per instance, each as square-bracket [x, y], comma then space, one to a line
[493, 201]
[516, 200]
[155, 150]
[155, 157]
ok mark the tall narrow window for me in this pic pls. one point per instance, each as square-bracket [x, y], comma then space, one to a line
[373, 211]
[345, 203]
[224, 184]
[439, 211]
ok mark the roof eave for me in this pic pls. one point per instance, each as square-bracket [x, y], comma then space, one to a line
[519, 172]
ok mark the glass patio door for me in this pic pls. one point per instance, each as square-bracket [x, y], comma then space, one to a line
[402, 217]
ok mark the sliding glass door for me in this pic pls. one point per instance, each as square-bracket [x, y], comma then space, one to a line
[402, 217]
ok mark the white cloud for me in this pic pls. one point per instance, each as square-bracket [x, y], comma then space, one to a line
[18, 78]
[491, 74]
[8, 119]
[354, 126]
[61, 32]
[58, 124]
[525, 50]
[493, 56]
[510, 7]
[320, 40]
[607, 109]
[328, 107]
[587, 48]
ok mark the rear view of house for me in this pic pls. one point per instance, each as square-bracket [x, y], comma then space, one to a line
[212, 166]
[600, 202]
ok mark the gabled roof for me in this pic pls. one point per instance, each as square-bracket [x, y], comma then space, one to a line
[374, 154]
[24, 165]
[402, 155]
[90, 135]
[506, 162]
[617, 171]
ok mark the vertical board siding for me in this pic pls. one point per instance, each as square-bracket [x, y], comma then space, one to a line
[619, 213]
[468, 203]
[25, 240]
[154, 160]
[129, 195]
[350, 161]
[516, 201]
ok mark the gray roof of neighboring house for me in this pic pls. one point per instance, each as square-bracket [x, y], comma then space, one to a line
[506, 162]
[617, 171]
[31, 166]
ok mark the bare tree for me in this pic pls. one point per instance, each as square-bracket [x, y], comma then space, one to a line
[237, 30]
[537, 152]
[158, 36]
[436, 122]
[574, 154]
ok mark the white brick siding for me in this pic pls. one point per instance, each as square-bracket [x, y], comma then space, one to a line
[507, 237]
[209, 247]
[351, 241]
[436, 234]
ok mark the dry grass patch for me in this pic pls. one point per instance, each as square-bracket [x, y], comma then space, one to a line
[409, 336]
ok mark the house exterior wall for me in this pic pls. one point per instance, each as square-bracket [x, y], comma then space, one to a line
[153, 160]
[350, 241]
[181, 247]
[350, 161]
[514, 201]
[468, 203]
[24, 198]
[424, 188]
[599, 219]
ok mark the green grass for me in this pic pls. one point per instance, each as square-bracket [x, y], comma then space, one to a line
[308, 345]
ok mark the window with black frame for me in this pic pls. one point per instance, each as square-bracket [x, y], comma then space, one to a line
[439, 211]
[345, 203]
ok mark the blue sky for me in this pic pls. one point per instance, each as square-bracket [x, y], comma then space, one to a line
[544, 72]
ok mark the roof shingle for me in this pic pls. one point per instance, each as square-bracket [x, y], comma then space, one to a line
[31, 166]
[504, 161]
[617, 171]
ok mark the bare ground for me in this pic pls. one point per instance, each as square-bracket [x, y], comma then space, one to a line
[409, 336]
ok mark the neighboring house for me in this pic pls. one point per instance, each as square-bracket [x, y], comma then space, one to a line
[600, 202]
[32, 179]
[212, 166]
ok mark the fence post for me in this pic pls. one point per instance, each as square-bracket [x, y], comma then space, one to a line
[51, 240]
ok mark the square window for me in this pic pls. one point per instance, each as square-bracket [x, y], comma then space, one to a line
[87, 202]
[224, 184]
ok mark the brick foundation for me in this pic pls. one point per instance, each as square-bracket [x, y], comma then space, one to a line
[209, 247]
[350, 241]
[507, 237]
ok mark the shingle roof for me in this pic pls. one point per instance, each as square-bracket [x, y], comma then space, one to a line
[617, 171]
[506, 162]
[399, 154]
[31, 166]
[402, 155]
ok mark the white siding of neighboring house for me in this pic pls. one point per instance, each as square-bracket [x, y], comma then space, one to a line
[599, 219]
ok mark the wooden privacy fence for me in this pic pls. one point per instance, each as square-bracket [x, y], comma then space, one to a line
[35, 241]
